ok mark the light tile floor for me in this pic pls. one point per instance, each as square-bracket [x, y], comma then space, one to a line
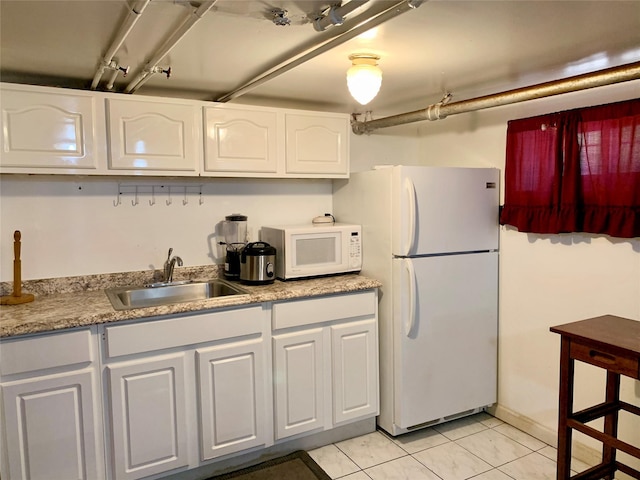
[478, 447]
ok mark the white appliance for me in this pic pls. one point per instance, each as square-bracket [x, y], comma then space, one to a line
[431, 238]
[314, 249]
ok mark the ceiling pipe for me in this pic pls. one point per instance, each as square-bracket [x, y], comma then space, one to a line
[336, 14]
[130, 20]
[442, 110]
[194, 17]
[360, 26]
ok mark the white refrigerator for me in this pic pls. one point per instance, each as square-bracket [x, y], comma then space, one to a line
[430, 235]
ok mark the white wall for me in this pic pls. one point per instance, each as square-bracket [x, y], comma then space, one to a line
[70, 226]
[544, 280]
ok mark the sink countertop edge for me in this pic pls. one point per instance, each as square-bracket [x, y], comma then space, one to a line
[56, 312]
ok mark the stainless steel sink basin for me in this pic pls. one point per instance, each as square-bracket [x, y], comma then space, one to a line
[158, 294]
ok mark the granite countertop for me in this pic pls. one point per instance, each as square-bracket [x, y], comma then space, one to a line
[81, 301]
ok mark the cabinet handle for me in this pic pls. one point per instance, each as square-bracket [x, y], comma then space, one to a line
[603, 357]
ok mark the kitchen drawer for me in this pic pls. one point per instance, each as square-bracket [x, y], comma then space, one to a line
[148, 336]
[27, 354]
[621, 364]
[323, 309]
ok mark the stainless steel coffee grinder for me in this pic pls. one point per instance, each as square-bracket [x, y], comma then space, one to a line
[234, 229]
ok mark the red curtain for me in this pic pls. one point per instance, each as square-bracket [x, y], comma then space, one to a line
[575, 171]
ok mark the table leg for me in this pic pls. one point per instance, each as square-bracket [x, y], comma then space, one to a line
[565, 409]
[611, 420]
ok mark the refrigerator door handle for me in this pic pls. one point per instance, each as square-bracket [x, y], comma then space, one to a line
[410, 191]
[411, 318]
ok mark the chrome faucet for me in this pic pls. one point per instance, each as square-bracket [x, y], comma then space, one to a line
[169, 266]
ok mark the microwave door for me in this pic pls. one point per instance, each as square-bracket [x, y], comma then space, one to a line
[315, 254]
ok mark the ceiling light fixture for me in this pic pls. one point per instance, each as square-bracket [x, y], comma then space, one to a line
[364, 77]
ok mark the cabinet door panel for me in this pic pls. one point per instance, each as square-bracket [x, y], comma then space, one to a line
[239, 140]
[355, 370]
[52, 426]
[232, 410]
[148, 416]
[47, 130]
[147, 136]
[317, 144]
[298, 377]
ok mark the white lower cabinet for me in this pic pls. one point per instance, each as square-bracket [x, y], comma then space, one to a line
[148, 418]
[354, 350]
[231, 384]
[184, 390]
[299, 387]
[325, 353]
[52, 428]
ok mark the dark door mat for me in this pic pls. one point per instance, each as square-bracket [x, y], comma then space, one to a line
[295, 466]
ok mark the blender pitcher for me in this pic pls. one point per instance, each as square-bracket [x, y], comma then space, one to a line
[234, 229]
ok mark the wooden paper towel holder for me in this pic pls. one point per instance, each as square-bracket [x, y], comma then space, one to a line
[17, 297]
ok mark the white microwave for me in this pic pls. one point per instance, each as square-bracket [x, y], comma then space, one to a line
[314, 250]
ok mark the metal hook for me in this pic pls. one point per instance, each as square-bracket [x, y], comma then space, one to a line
[118, 199]
[169, 199]
[135, 202]
[152, 202]
[185, 200]
[201, 200]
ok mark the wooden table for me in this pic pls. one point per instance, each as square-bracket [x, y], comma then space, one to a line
[612, 343]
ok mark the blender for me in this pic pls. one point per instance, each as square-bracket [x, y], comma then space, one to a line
[234, 229]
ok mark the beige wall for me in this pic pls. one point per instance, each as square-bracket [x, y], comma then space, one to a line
[544, 280]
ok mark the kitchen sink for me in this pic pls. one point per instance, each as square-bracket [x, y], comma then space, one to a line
[158, 294]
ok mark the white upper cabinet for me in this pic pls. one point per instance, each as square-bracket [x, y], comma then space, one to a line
[268, 142]
[317, 143]
[240, 140]
[50, 130]
[149, 137]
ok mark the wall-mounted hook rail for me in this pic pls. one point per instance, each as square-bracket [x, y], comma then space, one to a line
[149, 189]
[135, 202]
[118, 199]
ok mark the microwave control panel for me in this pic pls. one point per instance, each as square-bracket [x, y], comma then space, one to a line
[355, 250]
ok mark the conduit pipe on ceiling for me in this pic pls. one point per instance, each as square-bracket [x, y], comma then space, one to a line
[441, 110]
[336, 14]
[130, 20]
[360, 26]
[194, 17]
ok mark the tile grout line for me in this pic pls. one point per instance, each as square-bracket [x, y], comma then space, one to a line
[449, 440]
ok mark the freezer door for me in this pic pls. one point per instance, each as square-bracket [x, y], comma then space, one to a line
[445, 336]
[444, 210]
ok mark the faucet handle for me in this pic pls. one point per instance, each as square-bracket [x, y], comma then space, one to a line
[169, 254]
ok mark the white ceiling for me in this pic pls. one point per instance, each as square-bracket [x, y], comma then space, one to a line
[468, 48]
